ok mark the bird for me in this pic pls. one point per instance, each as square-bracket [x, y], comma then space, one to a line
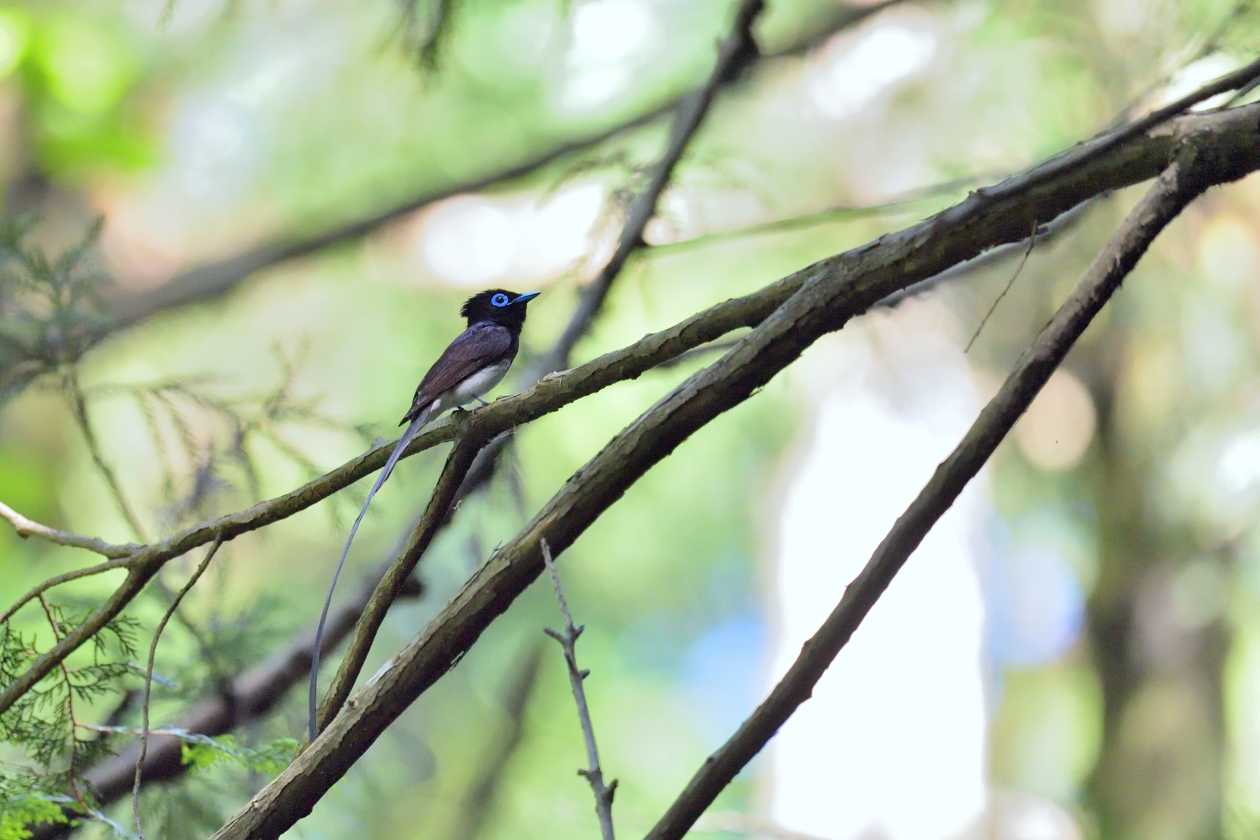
[472, 364]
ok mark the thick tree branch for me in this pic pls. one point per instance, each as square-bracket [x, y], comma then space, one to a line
[985, 219]
[1180, 184]
[825, 297]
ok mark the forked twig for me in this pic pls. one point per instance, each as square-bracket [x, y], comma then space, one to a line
[568, 641]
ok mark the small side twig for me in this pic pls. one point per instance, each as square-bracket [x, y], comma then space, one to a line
[568, 640]
[1032, 243]
[148, 680]
[29, 528]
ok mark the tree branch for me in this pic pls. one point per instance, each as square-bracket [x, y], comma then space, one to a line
[577, 681]
[29, 528]
[825, 296]
[735, 53]
[1180, 184]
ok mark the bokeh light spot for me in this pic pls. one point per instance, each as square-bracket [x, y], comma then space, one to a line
[15, 34]
[609, 30]
[856, 73]
[468, 240]
[1227, 254]
[558, 232]
[1058, 426]
[87, 71]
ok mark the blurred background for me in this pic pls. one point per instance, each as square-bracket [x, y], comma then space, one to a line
[1072, 653]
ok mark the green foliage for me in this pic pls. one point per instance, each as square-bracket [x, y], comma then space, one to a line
[204, 752]
[43, 722]
[26, 800]
[48, 307]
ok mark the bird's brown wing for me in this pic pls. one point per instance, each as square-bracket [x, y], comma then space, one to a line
[481, 345]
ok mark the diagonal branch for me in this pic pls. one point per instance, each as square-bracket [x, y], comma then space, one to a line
[827, 295]
[897, 261]
[1180, 184]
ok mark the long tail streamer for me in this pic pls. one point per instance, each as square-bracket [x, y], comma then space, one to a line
[406, 438]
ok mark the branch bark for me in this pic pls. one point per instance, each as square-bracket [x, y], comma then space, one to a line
[1180, 184]
[825, 297]
[399, 572]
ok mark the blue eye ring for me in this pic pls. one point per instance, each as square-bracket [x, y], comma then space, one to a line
[500, 300]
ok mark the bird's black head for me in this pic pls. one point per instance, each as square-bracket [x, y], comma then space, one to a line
[498, 305]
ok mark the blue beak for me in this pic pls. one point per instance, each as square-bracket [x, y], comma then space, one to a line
[525, 298]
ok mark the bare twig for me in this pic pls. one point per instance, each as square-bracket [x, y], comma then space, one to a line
[828, 294]
[1180, 184]
[148, 680]
[902, 203]
[1032, 242]
[577, 677]
[29, 528]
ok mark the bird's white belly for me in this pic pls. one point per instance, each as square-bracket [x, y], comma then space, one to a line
[475, 385]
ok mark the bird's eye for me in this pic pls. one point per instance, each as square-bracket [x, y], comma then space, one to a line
[499, 300]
